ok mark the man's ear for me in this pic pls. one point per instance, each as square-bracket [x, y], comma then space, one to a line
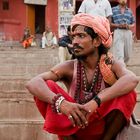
[97, 41]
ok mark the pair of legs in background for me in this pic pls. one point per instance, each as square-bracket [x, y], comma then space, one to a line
[63, 54]
[122, 44]
[48, 43]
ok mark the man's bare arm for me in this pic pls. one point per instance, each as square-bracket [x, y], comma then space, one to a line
[127, 81]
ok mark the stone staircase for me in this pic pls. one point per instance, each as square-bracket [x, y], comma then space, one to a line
[19, 117]
[134, 65]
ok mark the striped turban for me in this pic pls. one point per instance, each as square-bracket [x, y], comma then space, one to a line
[99, 24]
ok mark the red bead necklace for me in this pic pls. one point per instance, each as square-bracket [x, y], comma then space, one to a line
[82, 93]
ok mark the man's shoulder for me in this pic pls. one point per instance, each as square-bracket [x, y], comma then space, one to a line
[65, 37]
[86, 1]
[115, 7]
[129, 9]
[67, 65]
[105, 1]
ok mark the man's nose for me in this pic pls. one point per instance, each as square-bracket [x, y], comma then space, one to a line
[75, 40]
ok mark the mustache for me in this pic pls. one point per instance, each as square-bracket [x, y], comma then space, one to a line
[75, 46]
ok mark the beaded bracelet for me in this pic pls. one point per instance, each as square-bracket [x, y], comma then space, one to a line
[56, 102]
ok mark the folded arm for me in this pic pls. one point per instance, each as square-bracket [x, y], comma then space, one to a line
[127, 81]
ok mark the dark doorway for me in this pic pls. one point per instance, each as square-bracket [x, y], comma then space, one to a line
[78, 3]
[114, 3]
[39, 19]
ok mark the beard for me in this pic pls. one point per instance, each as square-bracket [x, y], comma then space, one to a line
[81, 57]
[78, 56]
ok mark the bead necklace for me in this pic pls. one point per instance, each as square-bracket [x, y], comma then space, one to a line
[82, 94]
[85, 80]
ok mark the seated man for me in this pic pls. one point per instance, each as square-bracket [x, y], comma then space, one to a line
[100, 97]
[64, 43]
[28, 39]
[48, 39]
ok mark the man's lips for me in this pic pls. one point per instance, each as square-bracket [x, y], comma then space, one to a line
[75, 48]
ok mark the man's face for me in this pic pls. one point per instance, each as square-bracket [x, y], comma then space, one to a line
[47, 29]
[123, 2]
[82, 42]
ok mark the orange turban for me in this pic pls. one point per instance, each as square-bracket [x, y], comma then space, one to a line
[99, 24]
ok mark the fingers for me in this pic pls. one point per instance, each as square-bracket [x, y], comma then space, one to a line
[78, 118]
[70, 117]
[76, 121]
[82, 122]
[83, 108]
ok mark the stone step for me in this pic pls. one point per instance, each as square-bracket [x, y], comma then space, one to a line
[135, 56]
[39, 53]
[23, 69]
[14, 70]
[19, 108]
[137, 107]
[138, 86]
[10, 86]
[4, 46]
[25, 54]
[15, 94]
[11, 61]
[137, 44]
[13, 85]
[137, 110]
[29, 61]
[24, 108]
[24, 130]
[19, 105]
[135, 69]
[133, 62]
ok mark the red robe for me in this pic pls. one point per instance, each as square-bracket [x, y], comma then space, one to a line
[61, 125]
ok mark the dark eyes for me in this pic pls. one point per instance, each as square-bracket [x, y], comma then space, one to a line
[81, 35]
[78, 36]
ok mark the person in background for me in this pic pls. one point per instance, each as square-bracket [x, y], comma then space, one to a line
[96, 8]
[48, 39]
[64, 43]
[122, 23]
[100, 95]
[55, 42]
[27, 39]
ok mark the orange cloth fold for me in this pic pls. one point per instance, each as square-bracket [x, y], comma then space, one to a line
[99, 24]
[108, 75]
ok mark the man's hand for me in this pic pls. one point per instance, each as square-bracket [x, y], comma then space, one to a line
[92, 106]
[76, 113]
[124, 26]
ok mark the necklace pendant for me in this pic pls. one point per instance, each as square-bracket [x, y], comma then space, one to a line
[87, 95]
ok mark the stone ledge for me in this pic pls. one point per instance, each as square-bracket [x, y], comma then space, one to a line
[24, 130]
[18, 109]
